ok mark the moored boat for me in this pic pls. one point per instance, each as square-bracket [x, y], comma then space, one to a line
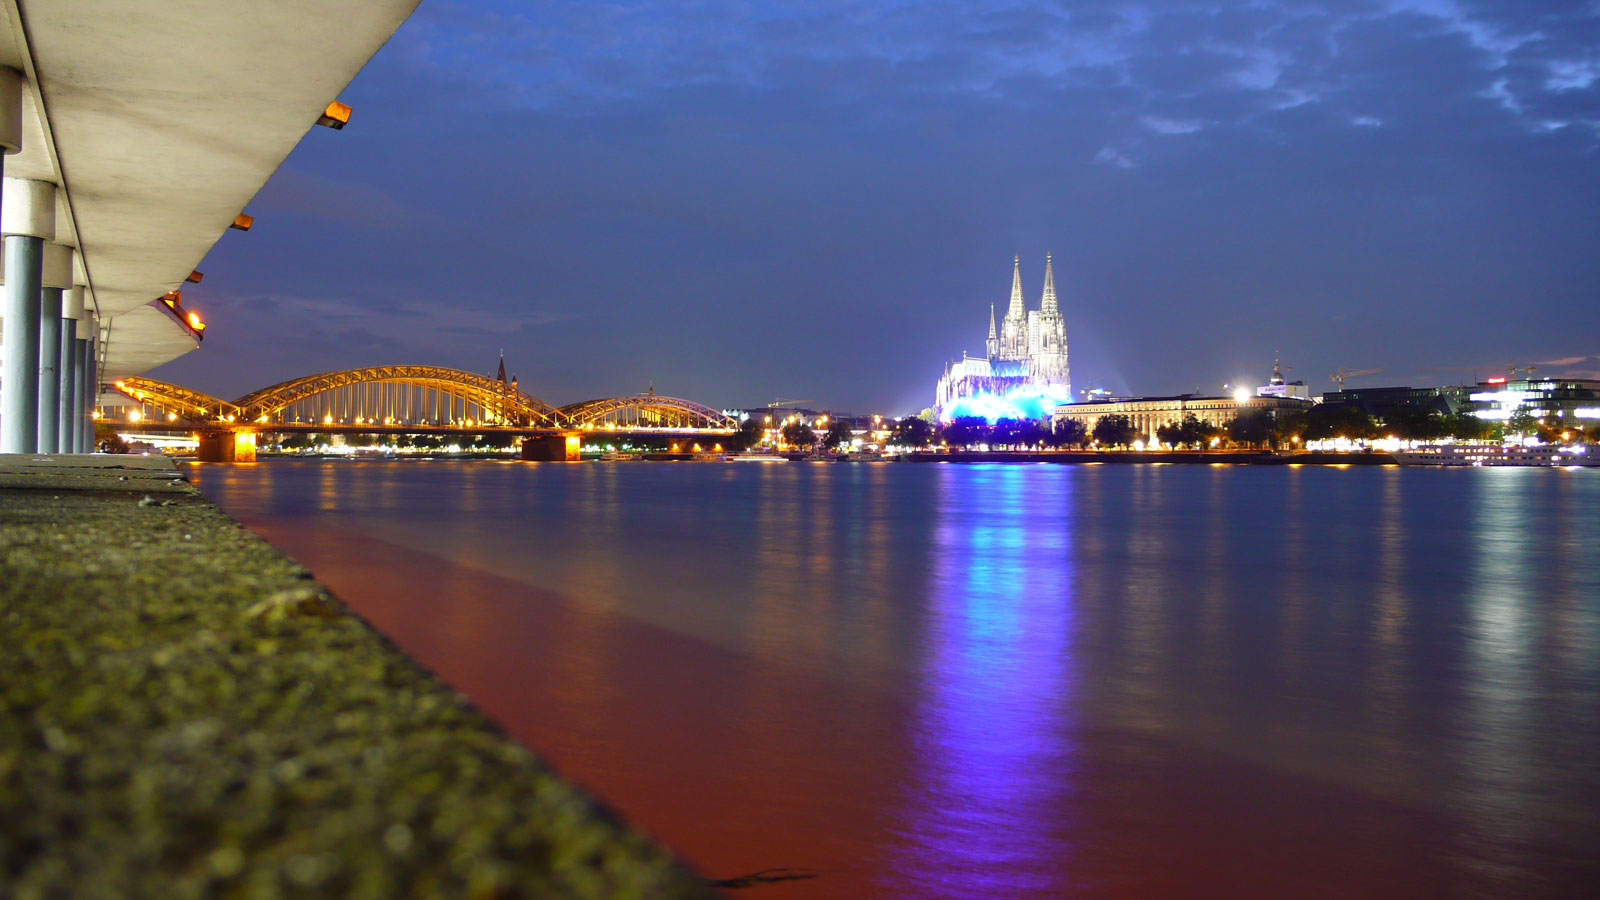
[1479, 455]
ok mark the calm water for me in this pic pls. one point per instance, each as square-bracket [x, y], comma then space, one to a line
[997, 681]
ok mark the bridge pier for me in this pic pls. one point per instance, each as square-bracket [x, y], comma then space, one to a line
[552, 447]
[227, 446]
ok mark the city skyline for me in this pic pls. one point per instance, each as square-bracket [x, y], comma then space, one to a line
[776, 202]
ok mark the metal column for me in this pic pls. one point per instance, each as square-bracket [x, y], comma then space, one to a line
[67, 436]
[19, 380]
[56, 277]
[49, 369]
[67, 407]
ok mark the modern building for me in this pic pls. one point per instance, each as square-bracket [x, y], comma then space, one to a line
[1023, 372]
[1569, 398]
[1379, 401]
[1150, 413]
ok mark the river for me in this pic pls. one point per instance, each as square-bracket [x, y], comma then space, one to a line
[1011, 681]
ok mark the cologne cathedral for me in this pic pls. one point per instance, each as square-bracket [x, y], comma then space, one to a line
[1023, 373]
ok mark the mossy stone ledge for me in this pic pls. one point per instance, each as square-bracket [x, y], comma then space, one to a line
[184, 712]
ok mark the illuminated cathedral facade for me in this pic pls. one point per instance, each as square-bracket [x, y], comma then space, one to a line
[1023, 372]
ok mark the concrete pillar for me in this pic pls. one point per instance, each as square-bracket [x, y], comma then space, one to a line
[55, 277]
[552, 447]
[227, 446]
[67, 408]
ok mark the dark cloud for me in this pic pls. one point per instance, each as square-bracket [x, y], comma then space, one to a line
[741, 200]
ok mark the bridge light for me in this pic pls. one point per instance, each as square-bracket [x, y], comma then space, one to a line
[327, 420]
[172, 417]
[195, 323]
[133, 415]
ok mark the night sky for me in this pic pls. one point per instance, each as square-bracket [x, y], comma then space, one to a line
[744, 201]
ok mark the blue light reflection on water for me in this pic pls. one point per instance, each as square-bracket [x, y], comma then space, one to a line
[1153, 681]
[991, 734]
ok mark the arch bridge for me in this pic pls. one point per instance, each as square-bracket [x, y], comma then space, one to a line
[409, 399]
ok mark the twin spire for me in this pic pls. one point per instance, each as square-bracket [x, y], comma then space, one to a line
[1048, 305]
[1018, 310]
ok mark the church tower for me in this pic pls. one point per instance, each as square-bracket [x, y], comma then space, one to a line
[992, 345]
[1014, 328]
[1050, 364]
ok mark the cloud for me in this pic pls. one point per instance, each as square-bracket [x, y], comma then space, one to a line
[1162, 125]
[840, 187]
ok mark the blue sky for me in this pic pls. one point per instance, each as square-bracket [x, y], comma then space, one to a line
[741, 201]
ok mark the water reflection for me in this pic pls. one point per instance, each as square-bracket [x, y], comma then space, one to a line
[991, 729]
[1014, 681]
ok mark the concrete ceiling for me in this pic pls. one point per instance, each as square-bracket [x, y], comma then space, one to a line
[162, 120]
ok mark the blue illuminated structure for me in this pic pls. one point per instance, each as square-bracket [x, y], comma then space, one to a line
[1028, 401]
[1023, 373]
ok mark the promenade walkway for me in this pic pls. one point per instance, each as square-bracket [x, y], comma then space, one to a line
[184, 712]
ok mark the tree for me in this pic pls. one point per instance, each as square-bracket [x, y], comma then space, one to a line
[799, 434]
[838, 433]
[1069, 433]
[1522, 421]
[912, 431]
[1330, 420]
[750, 433]
[1005, 432]
[1035, 432]
[1251, 427]
[1170, 434]
[1414, 423]
[1466, 426]
[1114, 430]
[964, 431]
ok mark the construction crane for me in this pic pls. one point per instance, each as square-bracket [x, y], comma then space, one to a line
[1513, 370]
[784, 401]
[1341, 375]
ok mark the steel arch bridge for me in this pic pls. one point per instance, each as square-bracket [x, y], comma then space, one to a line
[430, 396]
[650, 410]
[177, 401]
[494, 402]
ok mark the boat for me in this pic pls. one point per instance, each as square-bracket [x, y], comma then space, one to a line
[1480, 455]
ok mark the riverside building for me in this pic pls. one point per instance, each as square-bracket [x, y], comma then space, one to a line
[1150, 413]
[1023, 372]
[1497, 398]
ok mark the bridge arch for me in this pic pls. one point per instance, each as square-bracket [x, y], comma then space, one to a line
[483, 400]
[176, 400]
[650, 410]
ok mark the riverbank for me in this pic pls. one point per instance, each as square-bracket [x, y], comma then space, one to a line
[185, 712]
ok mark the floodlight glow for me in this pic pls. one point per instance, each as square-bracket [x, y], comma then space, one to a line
[1029, 402]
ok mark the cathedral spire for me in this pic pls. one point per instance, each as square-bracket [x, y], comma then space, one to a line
[501, 375]
[1048, 304]
[1016, 311]
[991, 347]
[992, 333]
